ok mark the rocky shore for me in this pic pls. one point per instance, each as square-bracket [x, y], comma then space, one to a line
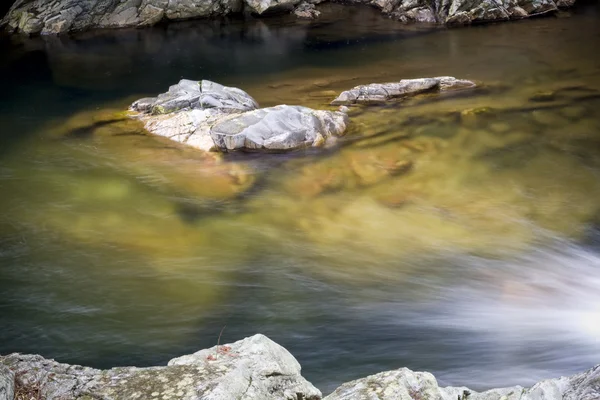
[48, 17]
[252, 368]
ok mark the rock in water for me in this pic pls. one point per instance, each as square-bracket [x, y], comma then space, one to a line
[7, 383]
[306, 11]
[253, 368]
[381, 92]
[210, 116]
[404, 384]
[278, 128]
[188, 94]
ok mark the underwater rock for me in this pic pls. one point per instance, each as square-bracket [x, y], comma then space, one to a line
[209, 116]
[252, 368]
[381, 92]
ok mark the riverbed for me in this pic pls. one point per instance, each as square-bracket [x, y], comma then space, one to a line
[455, 233]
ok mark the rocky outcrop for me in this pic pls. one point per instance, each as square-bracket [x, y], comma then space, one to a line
[211, 117]
[7, 383]
[252, 368]
[59, 16]
[404, 384]
[381, 92]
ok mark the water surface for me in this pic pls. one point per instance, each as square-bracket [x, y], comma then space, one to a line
[456, 234]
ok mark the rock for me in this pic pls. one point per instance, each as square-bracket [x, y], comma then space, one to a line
[209, 116]
[381, 92]
[278, 128]
[270, 6]
[7, 383]
[60, 16]
[188, 94]
[306, 11]
[252, 368]
[405, 384]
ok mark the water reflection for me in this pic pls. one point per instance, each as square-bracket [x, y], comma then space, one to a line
[442, 233]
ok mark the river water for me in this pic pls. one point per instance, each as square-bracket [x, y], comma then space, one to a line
[458, 234]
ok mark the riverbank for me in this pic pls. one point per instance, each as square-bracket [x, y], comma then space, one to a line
[35, 17]
[254, 368]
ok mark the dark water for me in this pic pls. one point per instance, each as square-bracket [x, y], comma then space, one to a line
[479, 263]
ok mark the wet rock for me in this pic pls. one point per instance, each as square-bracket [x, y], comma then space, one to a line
[209, 116]
[406, 384]
[7, 383]
[306, 11]
[270, 6]
[188, 94]
[543, 97]
[381, 92]
[252, 368]
[278, 128]
[60, 16]
[472, 116]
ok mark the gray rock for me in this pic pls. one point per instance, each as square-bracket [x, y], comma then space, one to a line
[381, 92]
[306, 11]
[253, 368]
[59, 16]
[209, 116]
[278, 128]
[7, 383]
[271, 6]
[404, 384]
[188, 94]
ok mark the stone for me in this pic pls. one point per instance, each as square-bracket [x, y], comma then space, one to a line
[404, 384]
[61, 16]
[278, 128]
[252, 368]
[306, 11]
[7, 383]
[270, 6]
[381, 92]
[188, 94]
[211, 117]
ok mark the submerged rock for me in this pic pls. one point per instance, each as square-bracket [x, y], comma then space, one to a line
[210, 117]
[381, 92]
[406, 384]
[252, 368]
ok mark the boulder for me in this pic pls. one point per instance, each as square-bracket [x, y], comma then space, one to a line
[404, 384]
[188, 94]
[271, 6]
[306, 11]
[278, 128]
[7, 383]
[381, 92]
[210, 117]
[252, 368]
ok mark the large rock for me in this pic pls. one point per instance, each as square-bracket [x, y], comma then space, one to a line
[253, 368]
[404, 384]
[278, 128]
[7, 383]
[381, 92]
[209, 116]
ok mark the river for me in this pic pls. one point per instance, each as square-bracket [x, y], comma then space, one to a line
[458, 234]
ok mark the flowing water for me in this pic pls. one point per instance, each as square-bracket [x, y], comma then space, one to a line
[452, 233]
